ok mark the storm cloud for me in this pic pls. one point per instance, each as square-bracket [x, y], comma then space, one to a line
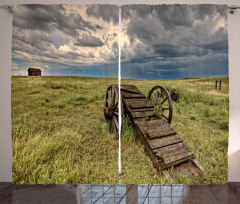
[62, 37]
[183, 39]
[157, 41]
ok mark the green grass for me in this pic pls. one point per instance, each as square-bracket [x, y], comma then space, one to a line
[201, 120]
[58, 131]
[59, 135]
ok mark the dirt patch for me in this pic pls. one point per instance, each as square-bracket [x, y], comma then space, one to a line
[187, 169]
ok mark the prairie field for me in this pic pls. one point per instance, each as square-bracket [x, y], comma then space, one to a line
[59, 134]
[200, 118]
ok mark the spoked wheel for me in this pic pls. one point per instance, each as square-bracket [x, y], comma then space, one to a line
[162, 101]
[111, 109]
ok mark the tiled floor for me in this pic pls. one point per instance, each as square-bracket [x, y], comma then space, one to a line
[75, 194]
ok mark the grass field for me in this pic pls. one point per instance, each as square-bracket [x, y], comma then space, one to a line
[59, 134]
[58, 131]
[200, 118]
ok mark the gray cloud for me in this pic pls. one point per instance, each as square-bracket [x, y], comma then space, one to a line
[174, 37]
[60, 35]
[171, 16]
[88, 41]
[106, 12]
[217, 46]
[170, 51]
[50, 17]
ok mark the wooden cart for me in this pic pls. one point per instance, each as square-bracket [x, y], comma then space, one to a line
[151, 116]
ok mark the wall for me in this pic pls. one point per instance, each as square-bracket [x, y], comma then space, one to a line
[5, 78]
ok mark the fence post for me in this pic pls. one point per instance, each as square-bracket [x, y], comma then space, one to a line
[220, 85]
[216, 85]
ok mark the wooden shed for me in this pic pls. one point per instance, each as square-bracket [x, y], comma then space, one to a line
[34, 72]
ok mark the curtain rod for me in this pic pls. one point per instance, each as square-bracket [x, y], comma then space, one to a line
[232, 9]
[8, 8]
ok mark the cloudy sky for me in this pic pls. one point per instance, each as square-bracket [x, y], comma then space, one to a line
[66, 39]
[174, 41]
[163, 41]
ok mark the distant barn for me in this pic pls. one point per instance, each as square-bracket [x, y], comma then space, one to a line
[34, 72]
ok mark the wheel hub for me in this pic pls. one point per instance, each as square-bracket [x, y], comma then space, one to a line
[108, 113]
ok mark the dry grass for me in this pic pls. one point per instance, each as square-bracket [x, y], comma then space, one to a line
[58, 131]
[201, 120]
[59, 134]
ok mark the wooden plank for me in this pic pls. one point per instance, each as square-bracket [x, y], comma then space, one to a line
[142, 114]
[169, 149]
[168, 155]
[160, 132]
[131, 95]
[140, 104]
[132, 195]
[128, 86]
[141, 109]
[152, 125]
[5, 185]
[163, 141]
[223, 193]
[128, 188]
[197, 164]
[127, 100]
[202, 194]
[235, 186]
[145, 143]
[177, 159]
[131, 90]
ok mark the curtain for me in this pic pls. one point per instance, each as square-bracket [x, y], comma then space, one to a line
[166, 123]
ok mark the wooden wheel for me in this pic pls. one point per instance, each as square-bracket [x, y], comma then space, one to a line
[111, 109]
[162, 101]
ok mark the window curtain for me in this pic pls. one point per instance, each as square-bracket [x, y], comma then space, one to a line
[167, 122]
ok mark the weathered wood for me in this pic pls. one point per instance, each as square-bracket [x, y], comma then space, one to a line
[145, 143]
[153, 124]
[169, 155]
[116, 122]
[131, 90]
[197, 164]
[163, 141]
[169, 149]
[140, 104]
[131, 95]
[128, 86]
[178, 159]
[156, 133]
[143, 114]
[127, 100]
[142, 109]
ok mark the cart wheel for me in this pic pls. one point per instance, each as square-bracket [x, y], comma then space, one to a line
[111, 109]
[162, 101]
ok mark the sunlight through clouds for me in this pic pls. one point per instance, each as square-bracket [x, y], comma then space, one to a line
[69, 38]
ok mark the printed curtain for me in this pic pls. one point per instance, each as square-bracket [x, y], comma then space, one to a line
[167, 122]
